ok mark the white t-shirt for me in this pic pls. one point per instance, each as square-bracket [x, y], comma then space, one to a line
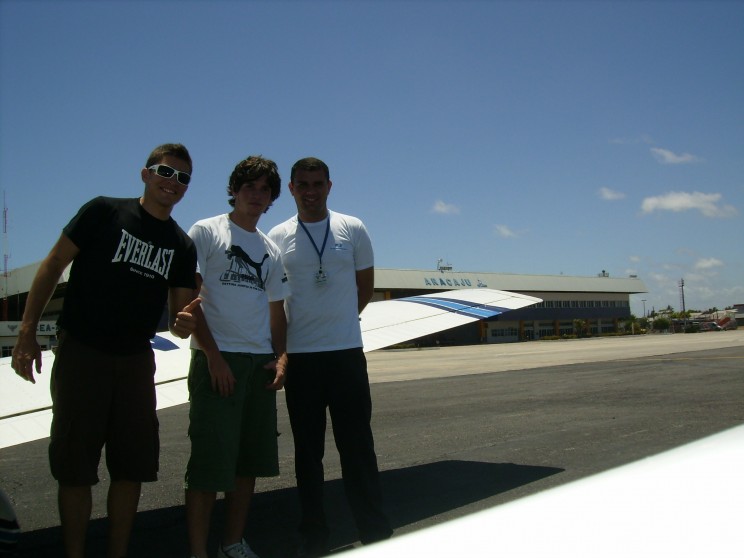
[242, 272]
[323, 316]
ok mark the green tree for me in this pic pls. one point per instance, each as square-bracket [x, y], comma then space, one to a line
[630, 320]
[661, 324]
[580, 327]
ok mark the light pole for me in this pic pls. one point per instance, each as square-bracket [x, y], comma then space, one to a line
[682, 300]
[643, 300]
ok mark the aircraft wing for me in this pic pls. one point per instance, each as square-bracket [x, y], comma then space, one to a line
[389, 322]
[683, 503]
[26, 408]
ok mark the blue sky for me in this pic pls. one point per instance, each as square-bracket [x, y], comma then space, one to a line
[514, 137]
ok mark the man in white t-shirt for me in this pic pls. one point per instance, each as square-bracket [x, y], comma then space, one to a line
[329, 265]
[238, 359]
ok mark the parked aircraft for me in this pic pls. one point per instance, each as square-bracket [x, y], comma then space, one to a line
[25, 408]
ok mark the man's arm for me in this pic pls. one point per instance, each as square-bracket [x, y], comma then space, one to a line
[27, 350]
[223, 380]
[365, 279]
[278, 322]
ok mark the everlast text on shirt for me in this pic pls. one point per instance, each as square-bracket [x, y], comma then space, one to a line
[143, 254]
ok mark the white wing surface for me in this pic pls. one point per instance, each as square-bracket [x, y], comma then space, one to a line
[389, 322]
[26, 408]
[683, 503]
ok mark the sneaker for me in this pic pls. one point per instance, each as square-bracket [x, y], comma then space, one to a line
[237, 550]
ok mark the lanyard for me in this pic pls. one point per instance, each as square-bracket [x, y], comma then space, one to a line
[322, 248]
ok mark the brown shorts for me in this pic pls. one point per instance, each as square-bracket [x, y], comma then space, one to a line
[102, 399]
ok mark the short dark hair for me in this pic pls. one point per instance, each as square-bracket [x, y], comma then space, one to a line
[250, 169]
[310, 164]
[173, 149]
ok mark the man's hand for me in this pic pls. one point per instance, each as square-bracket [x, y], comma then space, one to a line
[26, 352]
[279, 366]
[185, 323]
[223, 380]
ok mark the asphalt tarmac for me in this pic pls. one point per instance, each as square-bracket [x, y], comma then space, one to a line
[457, 430]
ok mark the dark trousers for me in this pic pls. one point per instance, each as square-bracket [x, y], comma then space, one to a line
[336, 380]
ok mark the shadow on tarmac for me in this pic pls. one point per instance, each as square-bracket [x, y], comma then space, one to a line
[412, 494]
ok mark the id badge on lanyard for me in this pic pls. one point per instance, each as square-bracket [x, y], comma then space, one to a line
[320, 275]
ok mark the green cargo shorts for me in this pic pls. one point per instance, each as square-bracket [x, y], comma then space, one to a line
[231, 436]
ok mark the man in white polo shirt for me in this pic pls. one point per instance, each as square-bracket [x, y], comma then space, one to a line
[329, 264]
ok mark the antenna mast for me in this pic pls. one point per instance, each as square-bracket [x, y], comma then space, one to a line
[5, 260]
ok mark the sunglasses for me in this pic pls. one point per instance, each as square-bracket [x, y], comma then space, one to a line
[166, 172]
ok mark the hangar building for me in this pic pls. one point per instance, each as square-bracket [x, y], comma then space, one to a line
[600, 301]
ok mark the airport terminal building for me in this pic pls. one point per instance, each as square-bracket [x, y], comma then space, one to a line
[602, 302]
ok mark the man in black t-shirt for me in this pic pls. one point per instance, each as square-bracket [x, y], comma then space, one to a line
[128, 258]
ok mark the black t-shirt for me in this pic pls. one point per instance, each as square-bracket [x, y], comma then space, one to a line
[119, 281]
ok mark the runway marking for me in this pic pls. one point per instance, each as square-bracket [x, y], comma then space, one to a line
[633, 433]
[683, 358]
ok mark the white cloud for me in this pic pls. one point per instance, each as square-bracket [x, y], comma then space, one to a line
[659, 278]
[708, 263]
[610, 195]
[635, 259]
[707, 204]
[666, 157]
[445, 208]
[632, 141]
[504, 231]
